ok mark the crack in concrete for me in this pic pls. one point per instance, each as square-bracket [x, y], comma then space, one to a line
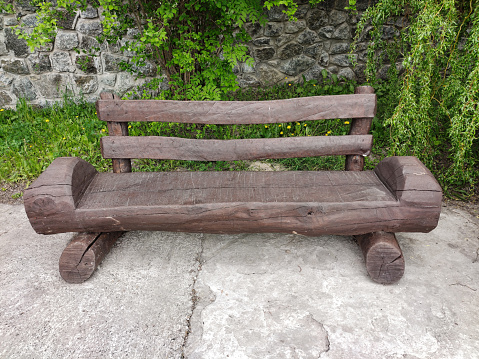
[194, 296]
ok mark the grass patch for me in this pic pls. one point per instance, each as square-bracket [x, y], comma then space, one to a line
[31, 138]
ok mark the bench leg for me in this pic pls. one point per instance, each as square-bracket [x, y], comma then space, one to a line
[84, 253]
[383, 256]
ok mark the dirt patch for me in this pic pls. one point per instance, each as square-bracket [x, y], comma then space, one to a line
[12, 193]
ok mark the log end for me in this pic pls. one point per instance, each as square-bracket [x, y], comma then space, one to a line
[384, 259]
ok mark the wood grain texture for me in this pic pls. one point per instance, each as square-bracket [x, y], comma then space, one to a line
[359, 126]
[58, 190]
[84, 253]
[384, 259]
[410, 181]
[120, 164]
[310, 203]
[174, 148]
[239, 112]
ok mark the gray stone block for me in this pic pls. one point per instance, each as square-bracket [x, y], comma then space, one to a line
[90, 44]
[39, 62]
[247, 69]
[290, 50]
[62, 62]
[324, 58]
[89, 27]
[67, 20]
[147, 69]
[247, 80]
[25, 5]
[5, 99]
[296, 65]
[273, 29]
[346, 73]
[10, 20]
[314, 51]
[85, 84]
[89, 13]
[107, 79]
[276, 14]
[343, 32]
[314, 73]
[341, 60]
[317, 18]
[283, 39]
[30, 20]
[86, 64]
[264, 54]
[339, 48]
[326, 32]
[52, 85]
[268, 75]
[13, 43]
[15, 66]
[132, 33]
[337, 17]
[23, 88]
[6, 80]
[308, 37]
[254, 30]
[126, 47]
[292, 27]
[112, 62]
[302, 11]
[66, 40]
[262, 41]
[3, 47]
[389, 32]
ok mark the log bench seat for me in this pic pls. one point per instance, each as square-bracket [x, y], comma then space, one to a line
[399, 195]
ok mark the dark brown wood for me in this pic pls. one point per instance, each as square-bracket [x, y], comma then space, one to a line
[410, 181]
[311, 203]
[239, 112]
[84, 253]
[359, 126]
[383, 256]
[120, 164]
[174, 148]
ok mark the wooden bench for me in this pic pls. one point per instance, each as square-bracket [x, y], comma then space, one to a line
[399, 195]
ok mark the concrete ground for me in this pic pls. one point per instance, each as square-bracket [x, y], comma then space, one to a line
[170, 295]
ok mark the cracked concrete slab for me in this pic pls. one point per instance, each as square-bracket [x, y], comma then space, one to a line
[173, 295]
[136, 305]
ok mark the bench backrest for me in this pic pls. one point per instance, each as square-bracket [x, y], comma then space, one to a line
[360, 107]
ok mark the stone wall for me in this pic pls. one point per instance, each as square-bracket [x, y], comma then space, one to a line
[282, 50]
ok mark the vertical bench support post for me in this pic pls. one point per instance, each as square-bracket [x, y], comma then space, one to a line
[85, 251]
[382, 254]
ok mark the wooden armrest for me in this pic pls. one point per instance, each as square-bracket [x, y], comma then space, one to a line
[58, 190]
[410, 181]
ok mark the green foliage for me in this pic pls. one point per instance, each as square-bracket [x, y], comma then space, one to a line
[433, 110]
[31, 138]
[195, 43]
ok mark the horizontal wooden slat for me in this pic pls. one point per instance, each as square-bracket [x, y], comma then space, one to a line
[174, 148]
[239, 112]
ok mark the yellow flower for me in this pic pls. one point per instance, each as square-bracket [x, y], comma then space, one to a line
[95, 113]
[47, 120]
[31, 146]
[64, 138]
[329, 131]
[265, 126]
[129, 126]
[279, 125]
[1, 109]
[288, 127]
[314, 85]
[305, 125]
[102, 130]
[281, 133]
[83, 127]
[76, 116]
[297, 123]
[289, 84]
[326, 134]
[292, 134]
[346, 122]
